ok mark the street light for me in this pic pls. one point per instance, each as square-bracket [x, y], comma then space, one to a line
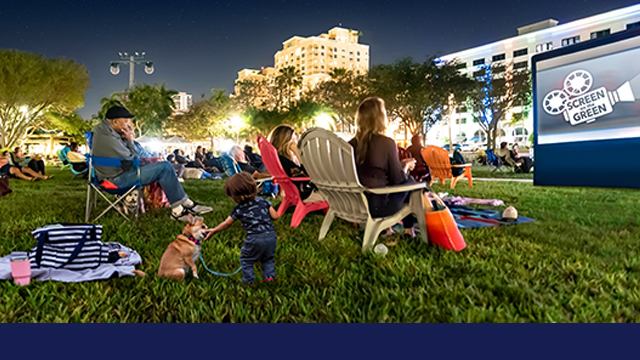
[237, 123]
[132, 60]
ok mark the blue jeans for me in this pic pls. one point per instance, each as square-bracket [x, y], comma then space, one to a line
[258, 248]
[162, 172]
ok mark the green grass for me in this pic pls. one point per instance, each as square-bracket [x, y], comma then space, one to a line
[578, 262]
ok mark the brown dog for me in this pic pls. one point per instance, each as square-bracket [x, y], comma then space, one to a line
[182, 253]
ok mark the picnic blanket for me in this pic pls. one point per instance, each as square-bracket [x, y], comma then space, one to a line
[467, 218]
[120, 268]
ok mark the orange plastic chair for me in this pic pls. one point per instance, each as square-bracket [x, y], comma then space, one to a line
[291, 193]
[437, 160]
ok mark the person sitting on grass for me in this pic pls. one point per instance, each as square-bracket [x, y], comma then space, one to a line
[255, 214]
[24, 173]
[19, 158]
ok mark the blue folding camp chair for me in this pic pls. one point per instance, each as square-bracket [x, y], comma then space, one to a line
[231, 167]
[494, 162]
[96, 188]
[62, 155]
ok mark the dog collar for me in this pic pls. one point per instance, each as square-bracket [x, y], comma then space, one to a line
[195, 241]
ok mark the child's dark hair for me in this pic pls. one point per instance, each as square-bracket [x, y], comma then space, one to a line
[241, 187]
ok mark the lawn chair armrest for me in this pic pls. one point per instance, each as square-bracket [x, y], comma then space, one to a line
[258, 181]
[461, 165]
[301, 179]
[397, 188]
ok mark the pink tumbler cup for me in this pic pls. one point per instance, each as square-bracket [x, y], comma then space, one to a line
[21, 268]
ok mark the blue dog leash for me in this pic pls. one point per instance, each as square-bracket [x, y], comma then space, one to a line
[205, 265]
[217, 273]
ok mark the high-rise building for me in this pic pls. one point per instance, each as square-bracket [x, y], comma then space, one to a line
[183, 102]
[316, 56]
[516, 52]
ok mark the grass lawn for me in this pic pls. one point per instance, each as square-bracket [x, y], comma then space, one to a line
[578, 262]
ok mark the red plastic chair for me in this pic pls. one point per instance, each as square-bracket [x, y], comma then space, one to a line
[291, 193]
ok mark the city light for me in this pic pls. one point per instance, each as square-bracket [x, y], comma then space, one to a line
[325, 121]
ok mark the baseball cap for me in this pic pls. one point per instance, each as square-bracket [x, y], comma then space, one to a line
[116, 112]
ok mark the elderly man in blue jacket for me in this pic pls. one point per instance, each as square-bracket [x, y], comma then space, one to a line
[113, 137]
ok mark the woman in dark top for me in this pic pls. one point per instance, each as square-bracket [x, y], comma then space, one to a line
[377, 161]
[421, 171]
[285, 140]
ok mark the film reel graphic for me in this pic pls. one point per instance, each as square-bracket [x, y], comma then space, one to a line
[578, 83]
[554, 102]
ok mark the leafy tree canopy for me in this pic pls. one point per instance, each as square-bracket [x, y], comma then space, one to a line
[32, 85]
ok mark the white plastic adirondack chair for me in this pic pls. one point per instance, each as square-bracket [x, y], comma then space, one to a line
[330, 162]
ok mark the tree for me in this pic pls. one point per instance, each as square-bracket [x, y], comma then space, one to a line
[71, 124]
[252, 93]
[288, 82]
[301, 115]
[32, 85]
[205, 118]
[496, 92]
[418, 94]
[342, 93]
[150, 105]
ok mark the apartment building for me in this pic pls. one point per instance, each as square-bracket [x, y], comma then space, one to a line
[516, 52]
[183, 102]
[315, 57]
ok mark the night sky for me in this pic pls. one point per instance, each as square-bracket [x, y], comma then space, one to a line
[199, 45]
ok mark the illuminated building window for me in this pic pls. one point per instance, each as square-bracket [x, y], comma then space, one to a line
[544, 47]
[461, 66]
[571, 40]
[601, 33]
[478, 73]
[520, 52]
[498, 57]
[478, 62]
[633, 25]
[520, 65]
[498, 69]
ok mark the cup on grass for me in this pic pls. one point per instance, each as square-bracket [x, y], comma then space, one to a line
[20, 268]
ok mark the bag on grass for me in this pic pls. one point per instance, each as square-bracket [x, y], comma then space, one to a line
[70, 246]
[4, 186]
[442, 228]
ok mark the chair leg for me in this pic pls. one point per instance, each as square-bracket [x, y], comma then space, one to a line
[87, 211]
[469, 177]
[417, 208]
[284, 205]
[299, 214]
[326, 224]
[454, 180]
[371, 233]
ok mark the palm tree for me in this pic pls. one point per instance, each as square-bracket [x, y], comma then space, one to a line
[289, 80]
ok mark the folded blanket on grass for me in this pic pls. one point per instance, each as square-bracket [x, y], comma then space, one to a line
[467, 218]
[120, 268]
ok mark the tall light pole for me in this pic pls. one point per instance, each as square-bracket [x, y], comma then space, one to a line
[133, 59]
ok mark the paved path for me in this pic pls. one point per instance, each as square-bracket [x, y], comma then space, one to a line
[499, 179]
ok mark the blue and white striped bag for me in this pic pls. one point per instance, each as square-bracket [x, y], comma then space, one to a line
[69, 246]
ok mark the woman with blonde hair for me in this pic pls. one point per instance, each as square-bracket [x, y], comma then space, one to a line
[285, 140]
[377, 161]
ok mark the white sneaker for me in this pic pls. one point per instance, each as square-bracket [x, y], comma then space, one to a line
[180, 180]
[200, 209]
[184, 216]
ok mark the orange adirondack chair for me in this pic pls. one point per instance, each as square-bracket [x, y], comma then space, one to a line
[437, 160]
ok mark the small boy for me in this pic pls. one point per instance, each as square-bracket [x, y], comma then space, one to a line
[255, 214]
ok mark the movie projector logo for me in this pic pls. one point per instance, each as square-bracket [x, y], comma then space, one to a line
[579, 105]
